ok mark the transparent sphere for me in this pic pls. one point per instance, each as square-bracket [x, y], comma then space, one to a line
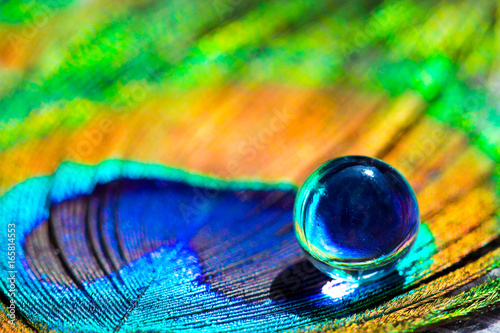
[356, 217]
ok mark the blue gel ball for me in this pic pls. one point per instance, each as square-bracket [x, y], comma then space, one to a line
[356, 217]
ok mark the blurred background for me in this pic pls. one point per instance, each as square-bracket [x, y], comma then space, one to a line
[267, 91]
[63, 62]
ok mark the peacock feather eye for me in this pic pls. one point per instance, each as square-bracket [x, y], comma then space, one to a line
[356, 217]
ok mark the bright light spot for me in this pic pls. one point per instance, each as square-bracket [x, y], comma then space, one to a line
[369, 173]
[338, 289]
[368, 275]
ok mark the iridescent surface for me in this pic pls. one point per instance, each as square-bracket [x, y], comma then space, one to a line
[240, 90]
[157, 249]
[355, 217]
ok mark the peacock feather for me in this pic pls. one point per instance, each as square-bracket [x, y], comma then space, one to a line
[151, 153]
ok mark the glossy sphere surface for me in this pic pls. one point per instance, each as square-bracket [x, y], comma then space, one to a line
[355, 217]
